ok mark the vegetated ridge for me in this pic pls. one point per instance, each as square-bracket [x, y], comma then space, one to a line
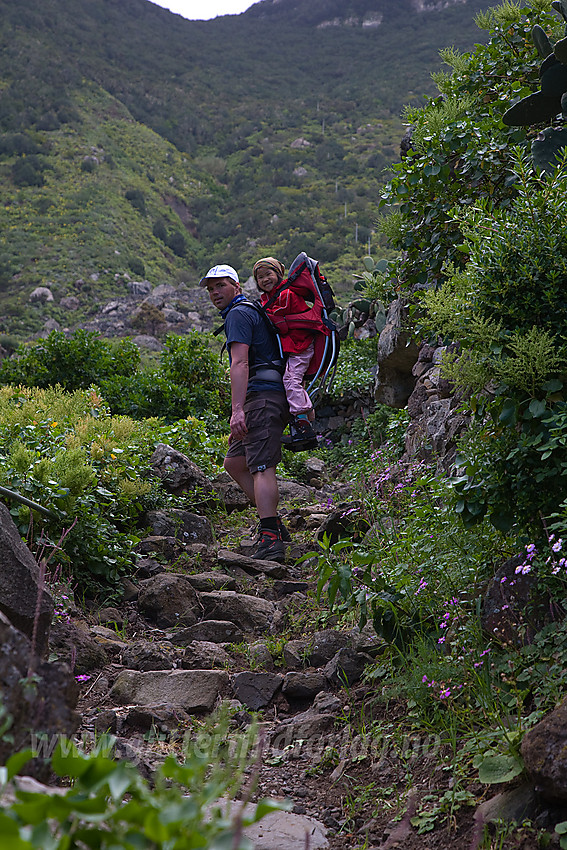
[134, 142]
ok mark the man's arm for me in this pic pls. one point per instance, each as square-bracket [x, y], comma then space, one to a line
[238, 386]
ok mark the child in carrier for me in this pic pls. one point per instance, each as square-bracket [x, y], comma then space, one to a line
[297, 344]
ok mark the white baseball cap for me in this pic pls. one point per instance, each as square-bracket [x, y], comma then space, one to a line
[220, 271]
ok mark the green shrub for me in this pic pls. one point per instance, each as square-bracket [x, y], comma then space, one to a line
[513, 464]
[67, 453]
[176, 241]
[190, 380]
[137, 266]
[105, 802]
[460, 147]
[74, 362]
[137, 199]
[27, 171]
[159, 230]
[517, 254]
[357, 359]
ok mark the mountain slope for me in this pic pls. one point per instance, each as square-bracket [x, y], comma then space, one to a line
[134, 141]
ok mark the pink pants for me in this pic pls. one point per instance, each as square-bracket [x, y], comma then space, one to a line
[298, 400]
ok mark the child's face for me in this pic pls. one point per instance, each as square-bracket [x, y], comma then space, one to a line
[266, 279]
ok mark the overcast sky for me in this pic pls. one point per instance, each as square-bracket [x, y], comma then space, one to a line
[204, 9]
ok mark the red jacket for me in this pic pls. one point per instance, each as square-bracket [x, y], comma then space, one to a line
[287, 303]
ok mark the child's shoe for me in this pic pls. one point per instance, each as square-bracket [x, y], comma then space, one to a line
[301, 436]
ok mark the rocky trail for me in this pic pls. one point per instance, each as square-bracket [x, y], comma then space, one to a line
[203, 625]
[206, 649]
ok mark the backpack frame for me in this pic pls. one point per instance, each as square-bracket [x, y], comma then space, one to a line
[305, 279]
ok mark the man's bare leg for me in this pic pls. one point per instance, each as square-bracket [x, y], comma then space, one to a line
[238, 471]
[261, 488]
[266, 492]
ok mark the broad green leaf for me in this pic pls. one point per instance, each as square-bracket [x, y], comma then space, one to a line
[509, 413]
[499, 768]
[502, 521]
[68, 761]
[17, 761]
[266, 807]
[537, 408]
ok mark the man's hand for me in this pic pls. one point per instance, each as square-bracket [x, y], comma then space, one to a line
[238, 429]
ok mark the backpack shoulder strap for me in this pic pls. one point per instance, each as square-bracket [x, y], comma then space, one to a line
[258, 308]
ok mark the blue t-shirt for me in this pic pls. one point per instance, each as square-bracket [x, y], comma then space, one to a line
[244, 324]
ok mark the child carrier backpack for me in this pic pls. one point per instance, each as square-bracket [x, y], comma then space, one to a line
[305, 279]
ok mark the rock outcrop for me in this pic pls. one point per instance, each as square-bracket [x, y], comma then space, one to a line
[23, 598]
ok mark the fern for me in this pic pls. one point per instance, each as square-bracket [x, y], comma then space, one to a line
[458, 61]
[508, 13]
[534, 358]
[435, 119]
[392, 226]
[485, 20]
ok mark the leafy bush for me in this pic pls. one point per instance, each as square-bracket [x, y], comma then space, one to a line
[356, 363]
[190, 380]
[89, 468]
[415, 558]
[513, 464]
[460, 148]
[159, 230]
[74, 362]
[109, 805]
[177, 243]
[137, 266]
[515, 277]
[137, 199]
[28, 171]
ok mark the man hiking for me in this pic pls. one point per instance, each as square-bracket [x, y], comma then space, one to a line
[259, 405]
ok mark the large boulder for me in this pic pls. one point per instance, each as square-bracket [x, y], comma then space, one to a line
[180, 475]
[210, 631]
[37, 699]
[397, 355]
[193, 690]
[250, 613]
[230, 494]
[544, 751]
[72, 643]
[185, 526]
[169, 599]
[20, 585]
[255, 690]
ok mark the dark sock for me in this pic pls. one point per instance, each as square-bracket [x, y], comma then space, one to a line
[270, 523]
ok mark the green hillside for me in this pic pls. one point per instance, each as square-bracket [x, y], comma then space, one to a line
[134, 142]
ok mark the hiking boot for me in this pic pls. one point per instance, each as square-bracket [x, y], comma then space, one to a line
[271, 547]
[256, 533]
[301, 436]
